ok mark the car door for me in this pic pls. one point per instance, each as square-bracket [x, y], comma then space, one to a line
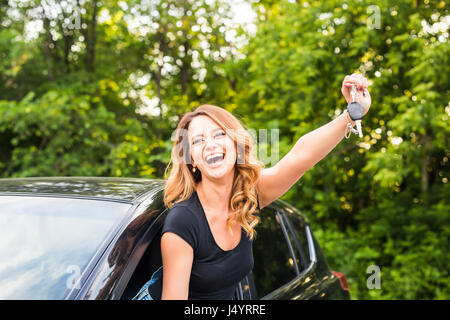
[284, 259]
[275, 261]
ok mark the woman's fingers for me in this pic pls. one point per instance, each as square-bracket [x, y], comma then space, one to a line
[360, 85]
[357, 79]
[354, 79]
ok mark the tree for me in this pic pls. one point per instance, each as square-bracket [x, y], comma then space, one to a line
[143, 63]
[382, 199]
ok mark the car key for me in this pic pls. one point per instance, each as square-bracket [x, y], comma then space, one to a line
[355, 110]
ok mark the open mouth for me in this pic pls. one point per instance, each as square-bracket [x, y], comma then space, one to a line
[214, 158]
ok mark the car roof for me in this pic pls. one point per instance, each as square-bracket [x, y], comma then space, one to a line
[119, 189]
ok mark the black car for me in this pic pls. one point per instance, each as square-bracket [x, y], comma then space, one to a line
[99, 238]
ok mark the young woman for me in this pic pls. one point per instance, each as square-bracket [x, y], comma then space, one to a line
[215, 190]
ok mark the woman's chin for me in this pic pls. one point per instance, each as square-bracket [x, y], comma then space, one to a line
[217, 171]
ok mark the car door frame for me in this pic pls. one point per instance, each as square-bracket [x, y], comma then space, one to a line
[300, 286]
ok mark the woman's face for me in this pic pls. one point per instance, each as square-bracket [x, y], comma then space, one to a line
[212, 150]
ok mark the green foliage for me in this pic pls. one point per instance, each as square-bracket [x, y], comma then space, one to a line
[101, 95]
[383, 199]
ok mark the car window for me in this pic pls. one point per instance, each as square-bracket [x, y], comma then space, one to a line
[46, 243]
[273, 262]
[297, 233]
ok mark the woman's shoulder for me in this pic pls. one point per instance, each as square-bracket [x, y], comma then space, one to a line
[180, 209]
[184, 205]
[182, 212]
[182, 220]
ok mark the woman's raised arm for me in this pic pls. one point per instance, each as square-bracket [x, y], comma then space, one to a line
[310, 148]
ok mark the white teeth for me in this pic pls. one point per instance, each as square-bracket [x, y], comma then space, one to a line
[213, 155]
[214, 158]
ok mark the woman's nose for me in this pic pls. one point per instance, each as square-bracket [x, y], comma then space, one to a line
[210, 143]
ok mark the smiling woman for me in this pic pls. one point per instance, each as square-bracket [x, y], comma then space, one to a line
[211, 144]
[211, 191]
[216, 188]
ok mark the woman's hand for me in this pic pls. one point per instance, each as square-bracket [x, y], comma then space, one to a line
[362, 94]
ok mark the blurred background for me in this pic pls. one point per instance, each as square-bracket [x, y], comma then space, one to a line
[95, 88]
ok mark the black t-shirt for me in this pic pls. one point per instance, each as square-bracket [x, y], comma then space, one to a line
[215, 272]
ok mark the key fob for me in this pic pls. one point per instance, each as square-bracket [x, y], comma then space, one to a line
[355, 110]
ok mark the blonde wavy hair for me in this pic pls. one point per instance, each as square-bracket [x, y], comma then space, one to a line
[182, 181]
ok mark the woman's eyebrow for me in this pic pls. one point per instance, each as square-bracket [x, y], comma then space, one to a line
[201, 134]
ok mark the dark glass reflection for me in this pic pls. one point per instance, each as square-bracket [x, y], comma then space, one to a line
[297, 227]
[45, 243]
[274, 265]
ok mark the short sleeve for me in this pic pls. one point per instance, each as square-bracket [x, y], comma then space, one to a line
[181, 221]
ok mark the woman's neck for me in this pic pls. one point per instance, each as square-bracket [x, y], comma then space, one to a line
[215, 196]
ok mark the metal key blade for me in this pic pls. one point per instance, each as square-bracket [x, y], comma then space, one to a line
[358, 127]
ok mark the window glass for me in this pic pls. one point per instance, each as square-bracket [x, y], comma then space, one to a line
[296, 227]
[274, 265]
[45, 243]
